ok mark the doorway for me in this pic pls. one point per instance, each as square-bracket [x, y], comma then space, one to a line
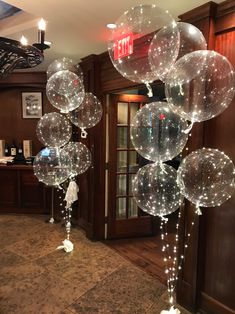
[124, 218]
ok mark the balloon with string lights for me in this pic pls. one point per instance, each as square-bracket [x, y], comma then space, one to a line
[54, 129]
[52, 166]
[200, 85]
[65, 91]
[129, 42]
[207, 177]
[191, 39]
[88, 114]
[64, 64]
[158, 132]
[80, 157]
[155, 189]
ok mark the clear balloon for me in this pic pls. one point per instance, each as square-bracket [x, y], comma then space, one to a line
[200, 85]
[64, 64]
[88, 114]
[129, 42]
[80, 157]
[65, 91]
[206, 177]
[52, 166]
[155, 189]
[53, 129]
[191, 39]
[157, 132]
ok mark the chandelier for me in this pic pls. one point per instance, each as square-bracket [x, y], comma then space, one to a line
[19, 55]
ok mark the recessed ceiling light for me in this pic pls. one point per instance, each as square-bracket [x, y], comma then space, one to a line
[111, 25]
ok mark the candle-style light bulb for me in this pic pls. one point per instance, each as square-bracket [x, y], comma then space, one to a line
[41, 31]
[42, 25]
[23, 41]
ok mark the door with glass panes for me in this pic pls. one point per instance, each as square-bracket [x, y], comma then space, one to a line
[125, 219]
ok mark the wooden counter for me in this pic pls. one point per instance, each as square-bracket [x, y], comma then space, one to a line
[21, 192]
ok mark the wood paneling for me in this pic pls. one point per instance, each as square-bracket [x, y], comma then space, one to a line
[207, 280]
[13, 126]
[20, 190]
[9, 189]
[91, 184]
[31, 191]
[217, 275]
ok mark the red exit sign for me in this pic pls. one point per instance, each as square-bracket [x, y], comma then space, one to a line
[123, 46]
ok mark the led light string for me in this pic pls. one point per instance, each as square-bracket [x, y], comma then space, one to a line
[172, 259]
[165, 247]
[66, 213]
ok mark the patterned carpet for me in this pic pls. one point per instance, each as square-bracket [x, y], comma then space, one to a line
[36, 278]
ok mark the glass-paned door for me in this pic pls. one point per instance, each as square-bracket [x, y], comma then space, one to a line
[124, 217]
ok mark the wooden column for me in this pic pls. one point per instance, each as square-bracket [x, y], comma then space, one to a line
[91, 195]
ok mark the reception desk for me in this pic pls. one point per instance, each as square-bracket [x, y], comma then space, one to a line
[21, 192]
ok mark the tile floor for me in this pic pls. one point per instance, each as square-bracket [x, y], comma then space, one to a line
[36, 278]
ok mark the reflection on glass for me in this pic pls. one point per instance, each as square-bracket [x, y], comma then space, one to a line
[134, 107]
[131, 178]
[122, 114]
[122, 137]
[133, 161]
[121, 184]
[121, 208]
[133, 209]
[121, 161]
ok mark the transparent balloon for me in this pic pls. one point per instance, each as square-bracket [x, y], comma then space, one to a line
[157, 132]
[191, 39]
[206, 177]
[52, 166]
[53, 129]
[80, 157]
[155, 189]
[88, 114]
[129, 42]
[65, 91]
[200, 85]
[64, 64]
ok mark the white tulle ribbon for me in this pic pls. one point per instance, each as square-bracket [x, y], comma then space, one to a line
[71, 194]
[150, 91]
[172, 310]
[67, 246]
[198, 210]
[189, 128]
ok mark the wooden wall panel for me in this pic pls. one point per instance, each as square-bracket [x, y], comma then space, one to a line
[225, 44]
[218, 276]
[12, 125]
[207, 282]
[91, 195]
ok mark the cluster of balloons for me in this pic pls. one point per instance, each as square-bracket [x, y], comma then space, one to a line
[63, 159]
[147, 45]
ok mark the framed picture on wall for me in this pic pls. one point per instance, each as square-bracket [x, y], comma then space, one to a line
[31, 105]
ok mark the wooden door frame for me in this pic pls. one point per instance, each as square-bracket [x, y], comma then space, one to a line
[117, 228]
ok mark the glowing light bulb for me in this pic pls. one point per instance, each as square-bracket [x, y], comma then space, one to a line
[42, 25]
[24, 41]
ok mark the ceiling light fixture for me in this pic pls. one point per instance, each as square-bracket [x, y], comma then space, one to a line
[19, 55]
